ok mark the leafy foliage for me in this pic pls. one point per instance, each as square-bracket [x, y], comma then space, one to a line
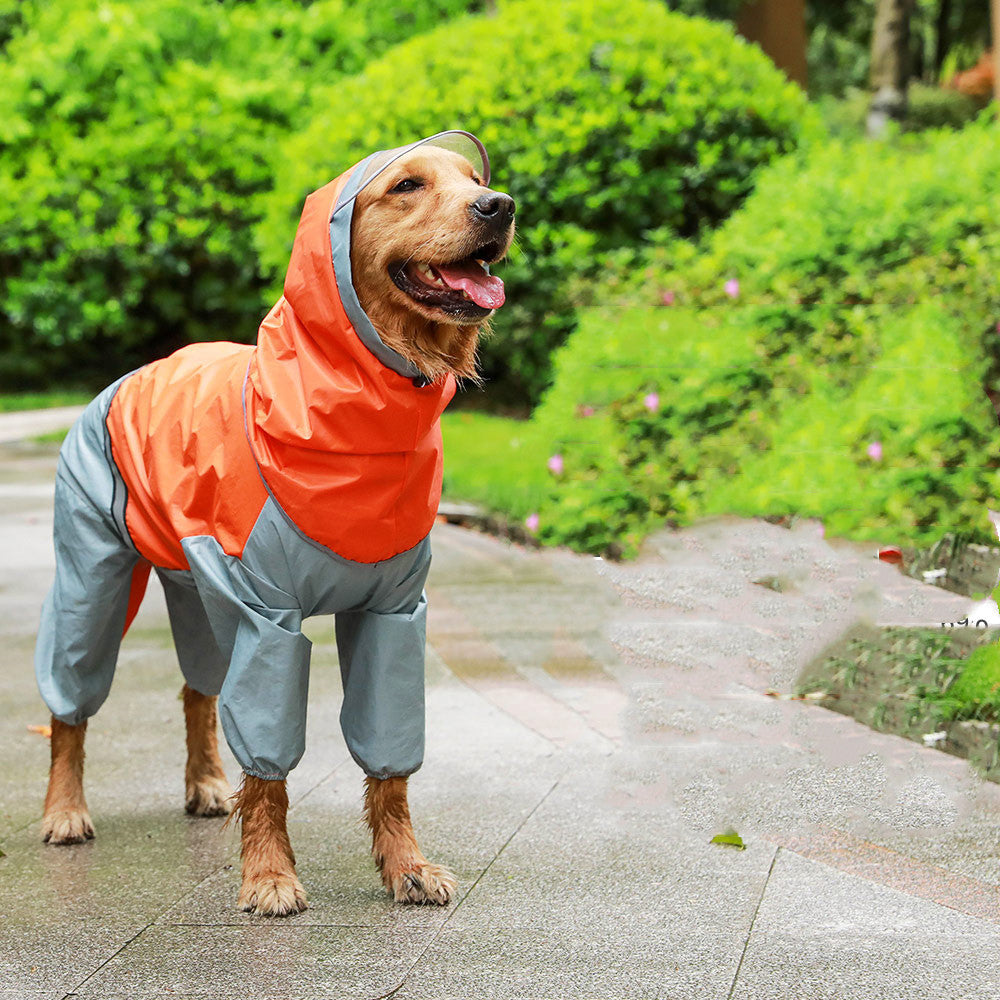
[619, 117]
[136, 142]
[975, 692]
[824, 354]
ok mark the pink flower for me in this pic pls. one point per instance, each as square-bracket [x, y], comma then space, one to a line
[555, 465]
[586, 411]
[667, 298]
[875, 451]
[652, 402]
[732, 288]
[998, 326]
[531, 523]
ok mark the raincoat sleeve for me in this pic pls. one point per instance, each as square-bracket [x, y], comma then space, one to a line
[262, 704]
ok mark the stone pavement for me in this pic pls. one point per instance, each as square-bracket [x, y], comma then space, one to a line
[591, 726]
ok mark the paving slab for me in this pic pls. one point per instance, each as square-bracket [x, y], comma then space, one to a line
[591, 727]
[599, 895]
[827, 935]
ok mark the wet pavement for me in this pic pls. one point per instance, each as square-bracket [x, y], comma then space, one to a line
[591, 726]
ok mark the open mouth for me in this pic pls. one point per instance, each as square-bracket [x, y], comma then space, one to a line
[461, 288]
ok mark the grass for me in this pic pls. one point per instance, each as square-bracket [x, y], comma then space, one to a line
[910, 680]
[496, 462]
[15, 401]
[52, 437]
[976, 691]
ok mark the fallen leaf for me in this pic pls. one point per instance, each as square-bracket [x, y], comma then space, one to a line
[45, 731]
[808, 696]
[729, 839]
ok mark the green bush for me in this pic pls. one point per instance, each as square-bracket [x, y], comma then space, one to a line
[825, 354]
[604, 118]
[135, 144]
[975, 692]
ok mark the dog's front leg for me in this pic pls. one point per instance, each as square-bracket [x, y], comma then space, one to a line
[207, 792]
[66, 819]
[270, 885]
[406, 873]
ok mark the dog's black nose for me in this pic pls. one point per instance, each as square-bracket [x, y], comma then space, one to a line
[493, 207]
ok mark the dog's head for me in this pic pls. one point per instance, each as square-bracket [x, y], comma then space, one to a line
[423, 234]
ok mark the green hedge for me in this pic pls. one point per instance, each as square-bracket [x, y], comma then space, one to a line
[136, 141]
[604, 118]
[824, 354]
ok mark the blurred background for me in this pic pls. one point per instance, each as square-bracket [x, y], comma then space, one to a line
[758, 270]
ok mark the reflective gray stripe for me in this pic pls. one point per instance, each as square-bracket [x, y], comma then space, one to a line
[340, 243]
[119, 496]
[457, 140]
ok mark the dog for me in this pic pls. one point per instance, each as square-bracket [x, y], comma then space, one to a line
[266, 484]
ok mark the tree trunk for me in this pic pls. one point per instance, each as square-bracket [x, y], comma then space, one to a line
[995, 23]
[779, 28]
[942, 41]
[890, 74]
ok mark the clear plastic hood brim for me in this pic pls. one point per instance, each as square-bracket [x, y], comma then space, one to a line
[455, 140]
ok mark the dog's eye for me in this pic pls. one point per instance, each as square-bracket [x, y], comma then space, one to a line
[477, 179]
[407, 184]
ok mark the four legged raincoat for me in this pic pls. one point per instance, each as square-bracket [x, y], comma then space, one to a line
[264, 484]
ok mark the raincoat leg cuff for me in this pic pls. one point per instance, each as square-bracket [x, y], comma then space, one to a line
[382, 773]
[71, 718]
[263, 775]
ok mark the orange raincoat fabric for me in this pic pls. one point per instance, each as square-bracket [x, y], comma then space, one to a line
[348, 446]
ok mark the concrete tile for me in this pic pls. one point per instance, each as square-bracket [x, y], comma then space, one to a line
[598, 897]
[282, 959]
[827, 935]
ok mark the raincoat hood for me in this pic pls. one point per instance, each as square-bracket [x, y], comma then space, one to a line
[344, 430]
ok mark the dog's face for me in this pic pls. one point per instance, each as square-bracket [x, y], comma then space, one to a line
[421, 235]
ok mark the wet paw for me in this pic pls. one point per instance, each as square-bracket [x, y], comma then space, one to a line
[67, 826]
[272, 895]
[209, 797]
[424, 883]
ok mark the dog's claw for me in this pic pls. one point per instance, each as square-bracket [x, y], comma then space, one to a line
[209, 797]
[67, 826]
[272, 896]
[429, 884]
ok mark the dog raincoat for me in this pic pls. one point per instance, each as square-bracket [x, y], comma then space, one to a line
[264, 484]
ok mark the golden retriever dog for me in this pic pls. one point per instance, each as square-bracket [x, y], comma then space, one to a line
[267, 484]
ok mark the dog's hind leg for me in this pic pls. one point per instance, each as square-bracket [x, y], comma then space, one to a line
[270, 885]
[406, 873]
[66, 819]
[207, 792]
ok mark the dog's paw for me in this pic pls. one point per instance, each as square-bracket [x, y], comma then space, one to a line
[67, 826]
[272, 895]
[424, 883]
[209, 797]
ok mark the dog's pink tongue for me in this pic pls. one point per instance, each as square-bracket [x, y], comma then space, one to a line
[484, 289]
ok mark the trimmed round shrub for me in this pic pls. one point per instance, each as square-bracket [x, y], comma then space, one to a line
[136, 141]
[605, 119]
